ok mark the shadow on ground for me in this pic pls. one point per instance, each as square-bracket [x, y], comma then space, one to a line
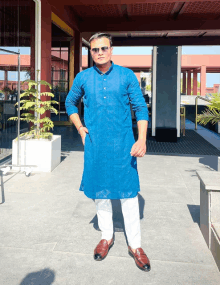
[195, 213]
[64, 155]
[211, 161]
[42, 277]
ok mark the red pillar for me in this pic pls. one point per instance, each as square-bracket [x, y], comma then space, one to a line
[77, 53]
[203, 80]
[90, 60]
[194, 82]
[138, 75]
[78, 58]
[6, 78]
[216, 88]
[46, 39]
[189, 82]
[184, 83]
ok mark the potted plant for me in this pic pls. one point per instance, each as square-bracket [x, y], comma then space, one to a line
[212, 114]
[38, 146]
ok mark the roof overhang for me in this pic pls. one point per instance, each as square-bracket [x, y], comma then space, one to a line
[150, 22]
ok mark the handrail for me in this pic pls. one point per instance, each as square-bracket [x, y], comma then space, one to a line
[196, 102]
[183, 120]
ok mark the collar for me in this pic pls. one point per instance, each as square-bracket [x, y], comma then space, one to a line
[110, 69]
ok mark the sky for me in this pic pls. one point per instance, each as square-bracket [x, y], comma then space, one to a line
[211, 78]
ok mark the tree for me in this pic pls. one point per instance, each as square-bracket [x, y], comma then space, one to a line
[32, 102]
[212, 113]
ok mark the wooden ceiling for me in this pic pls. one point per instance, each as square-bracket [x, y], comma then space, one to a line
[130, 22]
[144, 21]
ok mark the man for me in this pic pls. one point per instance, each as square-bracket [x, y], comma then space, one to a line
[110, 151]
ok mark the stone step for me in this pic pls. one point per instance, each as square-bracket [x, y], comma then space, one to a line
[215, 243]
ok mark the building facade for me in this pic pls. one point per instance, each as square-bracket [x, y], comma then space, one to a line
[55, 32]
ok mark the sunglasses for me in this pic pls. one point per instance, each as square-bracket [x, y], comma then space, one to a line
[96, 50]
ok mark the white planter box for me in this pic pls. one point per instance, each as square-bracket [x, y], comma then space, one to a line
[44, 153]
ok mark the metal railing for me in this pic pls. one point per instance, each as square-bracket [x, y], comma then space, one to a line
[196, 102]
[183, 120]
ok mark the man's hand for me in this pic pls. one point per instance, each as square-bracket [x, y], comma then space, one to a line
[139, 148]
[82, 133]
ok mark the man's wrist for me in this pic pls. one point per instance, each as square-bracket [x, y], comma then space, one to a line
[142, 139]
[79, 129]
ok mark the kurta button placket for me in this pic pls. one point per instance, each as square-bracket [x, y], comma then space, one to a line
[104, 79]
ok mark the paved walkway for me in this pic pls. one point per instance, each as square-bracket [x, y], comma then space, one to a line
[48, 228]
[211, 136]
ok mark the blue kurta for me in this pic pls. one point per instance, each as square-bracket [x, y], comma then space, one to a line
[110, 172]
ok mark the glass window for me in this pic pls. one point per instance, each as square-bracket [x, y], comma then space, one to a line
[17, 26]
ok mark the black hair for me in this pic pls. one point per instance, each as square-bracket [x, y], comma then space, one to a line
[101, 35]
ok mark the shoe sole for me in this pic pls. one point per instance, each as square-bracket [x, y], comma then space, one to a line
[106, 254]
[145, 270]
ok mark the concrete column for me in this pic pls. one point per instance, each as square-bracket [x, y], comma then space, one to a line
[46, 39]
[167, 98]
[203, 80]
[32, 46]
[194, 82]
[32, 36]
[184, 82]
[189, 82]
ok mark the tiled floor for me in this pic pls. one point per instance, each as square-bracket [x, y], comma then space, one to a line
[211, 136]
[199, 142]
[49, 228]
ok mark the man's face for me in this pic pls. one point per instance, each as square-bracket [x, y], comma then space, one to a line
[101, 56]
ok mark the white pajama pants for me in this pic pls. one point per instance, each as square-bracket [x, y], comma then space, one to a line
[130, 211]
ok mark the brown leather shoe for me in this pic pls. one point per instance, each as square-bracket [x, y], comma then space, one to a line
[140, 258]
[102, 249]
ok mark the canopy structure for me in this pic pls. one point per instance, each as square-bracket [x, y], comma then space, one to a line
[166, 25]
[150, 22]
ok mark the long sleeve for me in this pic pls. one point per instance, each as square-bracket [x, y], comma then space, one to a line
[136, 98]
[75, 94]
